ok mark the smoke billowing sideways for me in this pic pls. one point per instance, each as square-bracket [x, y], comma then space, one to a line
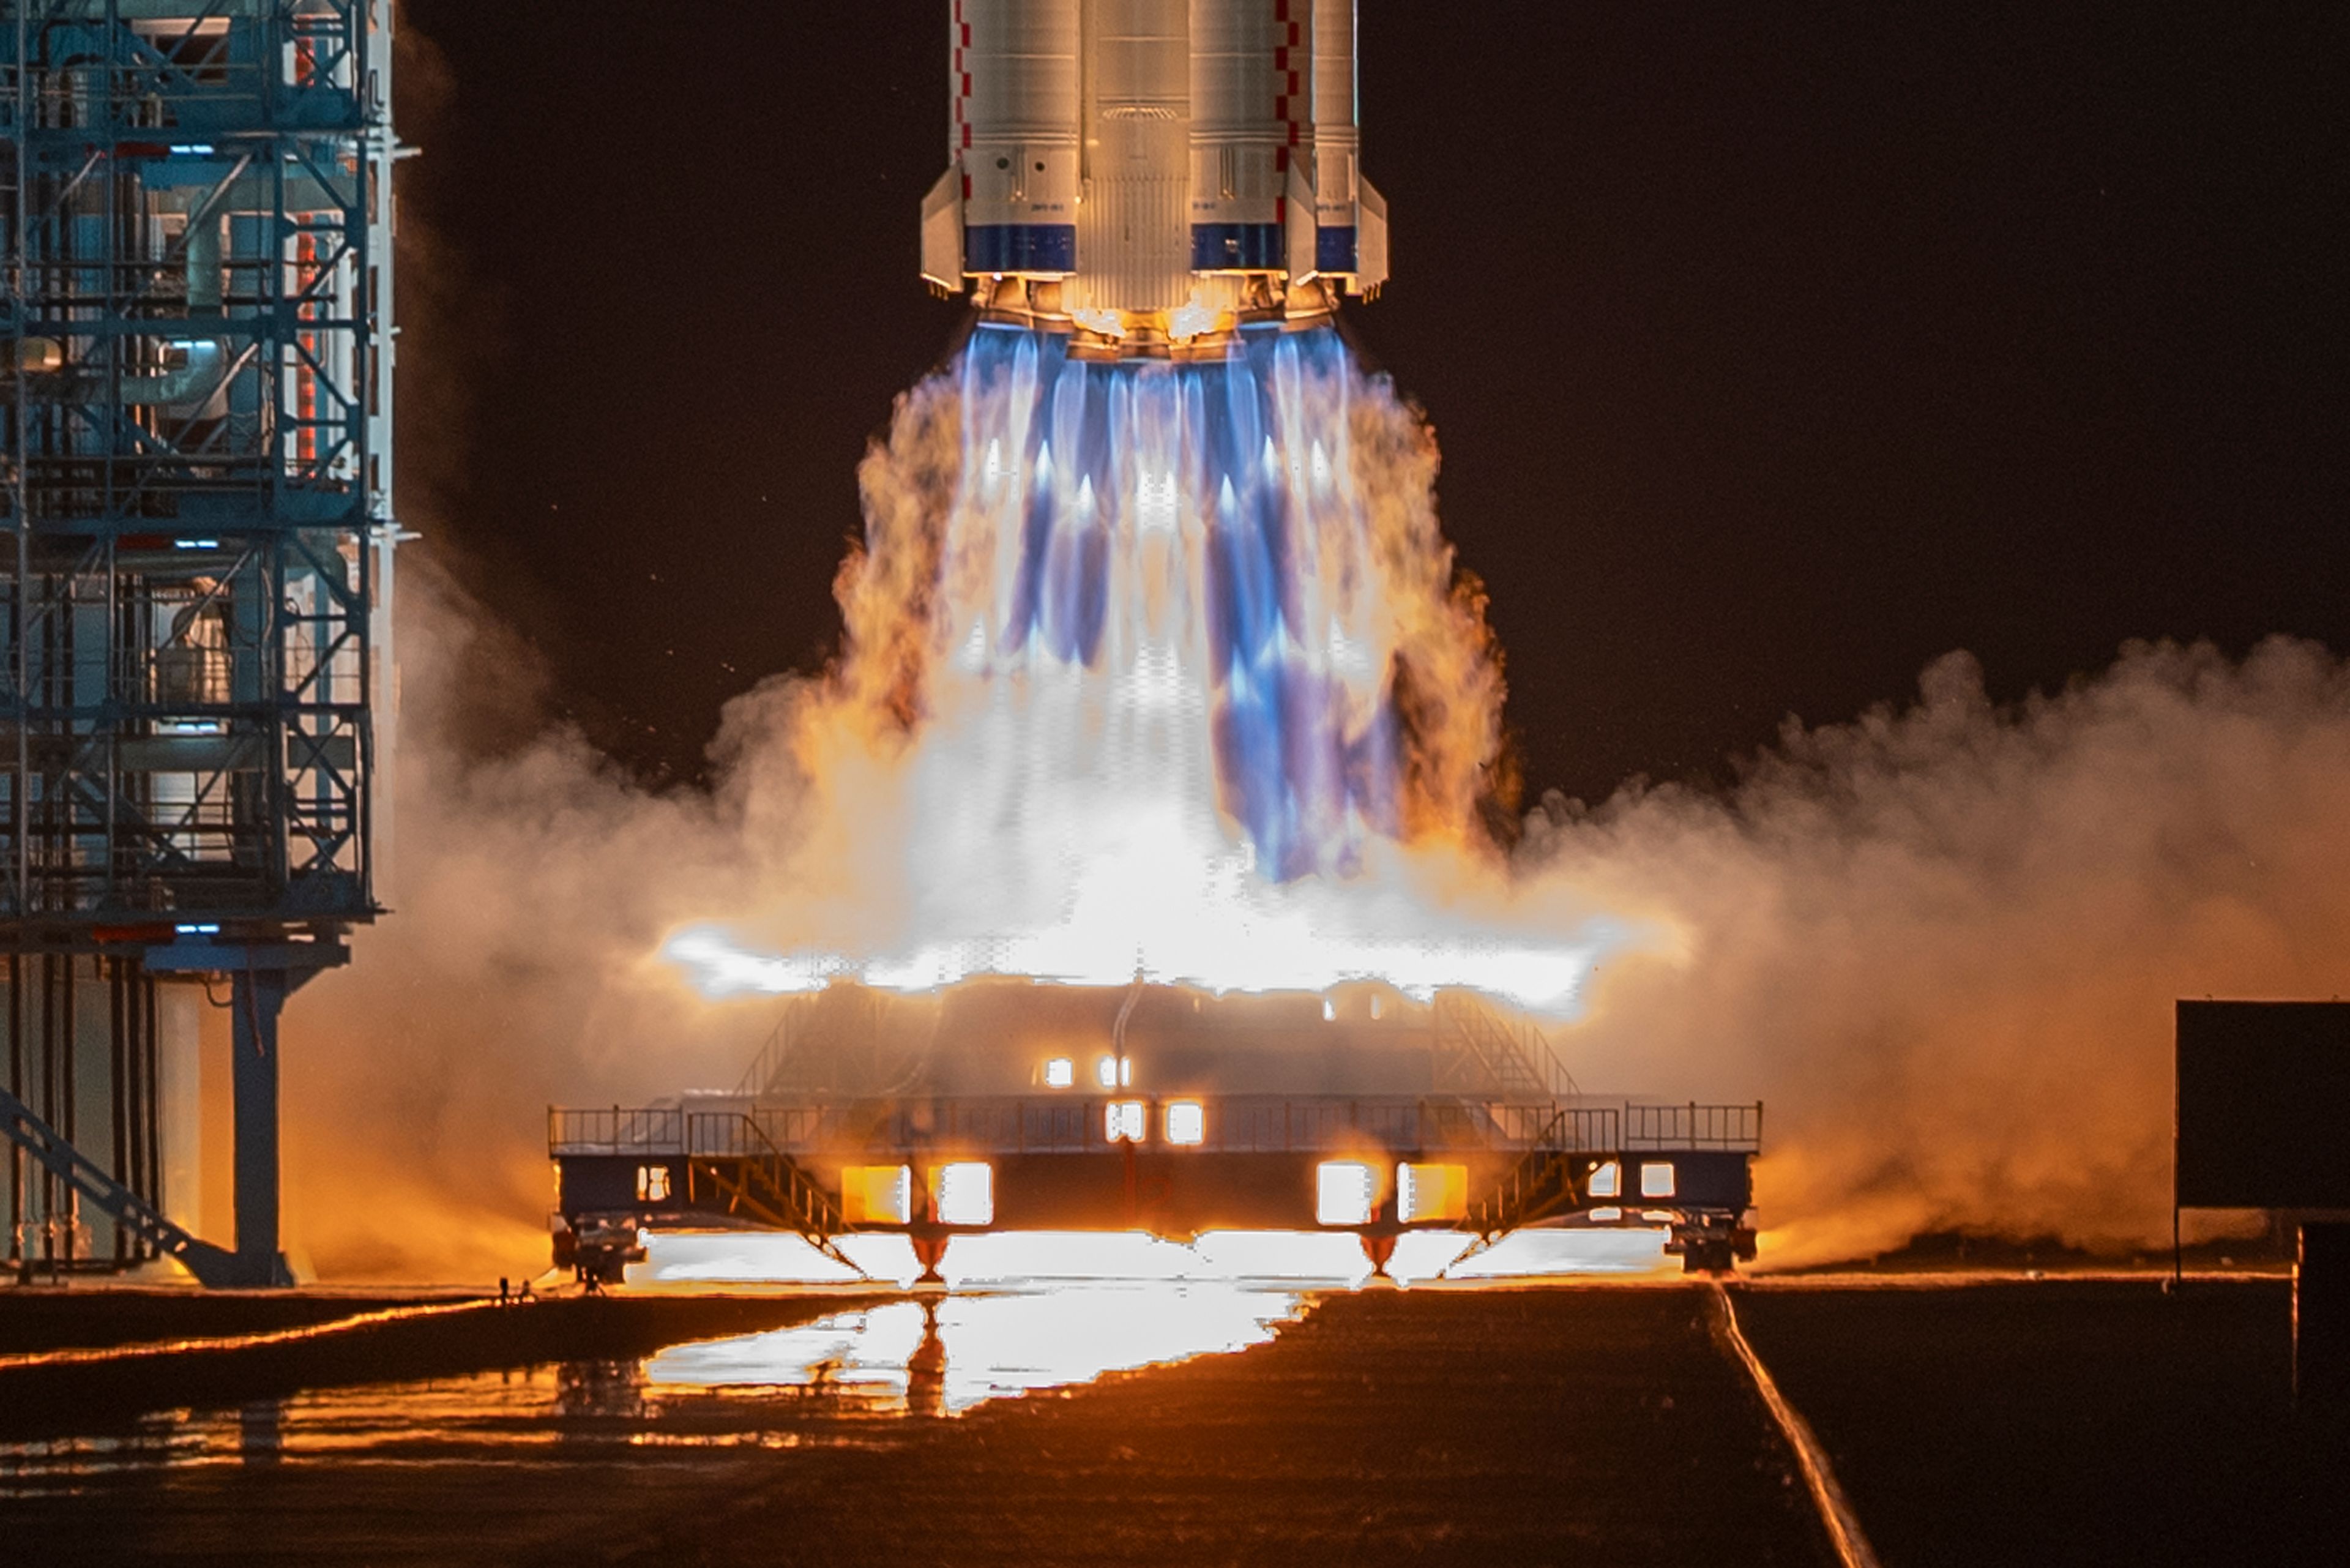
[1940, 940]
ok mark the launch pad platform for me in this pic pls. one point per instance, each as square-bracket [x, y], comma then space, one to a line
[1362, 1113]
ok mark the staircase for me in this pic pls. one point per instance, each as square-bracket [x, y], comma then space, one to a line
[213, 1266]
[1538, 1186]
[760, 1182]
[768, 1065]
[1479, 1050]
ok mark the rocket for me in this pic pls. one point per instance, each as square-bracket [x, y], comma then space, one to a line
[1151, 174]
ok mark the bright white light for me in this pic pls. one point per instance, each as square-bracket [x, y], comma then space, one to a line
[1657, 1179]
[1060, 1072]
[1188, 320]
[964, 1193]
[1106, 1072]
[1223, 933]
[1605, 1215]
[195, 543]
[1608, 1181]
[1122, 1121]
[1342, 1192]
[1126, 1072]
[995, 1345]
[1070, 796]
[1187, 1122]
[1538, 1251]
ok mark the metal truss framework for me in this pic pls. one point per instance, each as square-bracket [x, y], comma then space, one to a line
[196, 484]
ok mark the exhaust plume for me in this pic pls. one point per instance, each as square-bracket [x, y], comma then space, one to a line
[1238, 714]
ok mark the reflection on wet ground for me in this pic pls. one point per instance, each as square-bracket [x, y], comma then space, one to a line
[1035, 1258]
[823, 1382]
[1028, 1312]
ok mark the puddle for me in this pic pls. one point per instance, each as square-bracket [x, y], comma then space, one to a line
[842, 1378]
[1031, 1314]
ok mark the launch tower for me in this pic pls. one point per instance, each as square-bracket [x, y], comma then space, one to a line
[196, 579]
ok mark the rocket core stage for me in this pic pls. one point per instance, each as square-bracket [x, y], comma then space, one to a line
[1147, 175]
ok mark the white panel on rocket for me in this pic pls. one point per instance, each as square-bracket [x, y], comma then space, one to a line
[1146, 173]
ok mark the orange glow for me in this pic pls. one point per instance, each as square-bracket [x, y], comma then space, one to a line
[1431, 1192]
[876, 1194]
[1040, 754]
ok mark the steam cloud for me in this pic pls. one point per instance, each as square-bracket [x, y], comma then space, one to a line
[1940, 940]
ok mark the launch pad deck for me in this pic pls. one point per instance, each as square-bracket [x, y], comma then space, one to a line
[933, 1166]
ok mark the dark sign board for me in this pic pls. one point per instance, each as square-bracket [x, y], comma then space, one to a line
[2263, 1105]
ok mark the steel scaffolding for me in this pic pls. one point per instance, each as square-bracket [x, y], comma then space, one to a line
[196, 235]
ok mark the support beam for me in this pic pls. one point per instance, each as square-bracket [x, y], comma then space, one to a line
[209, 1264]
[262, 975]
[258, 997]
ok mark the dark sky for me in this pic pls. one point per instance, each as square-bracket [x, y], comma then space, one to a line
[1774, 349]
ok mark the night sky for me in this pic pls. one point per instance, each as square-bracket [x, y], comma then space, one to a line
[1773, 351]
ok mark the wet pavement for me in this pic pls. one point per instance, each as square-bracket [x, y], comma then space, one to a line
[1154, 1421]
[1182, 1419]
[1980, 1420]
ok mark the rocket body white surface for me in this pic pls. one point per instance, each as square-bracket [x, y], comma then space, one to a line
[1147, 174]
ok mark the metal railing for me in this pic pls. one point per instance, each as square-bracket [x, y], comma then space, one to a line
[1264, 1124]
[1693, 1126]
[1507, 1051]
[1268, 1123]
[618, 1130]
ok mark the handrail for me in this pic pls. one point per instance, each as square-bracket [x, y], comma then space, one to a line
[1693, 1126]
[1537, 1171]
[1510, 1050]
[1048, 1123]
[769, 1055]
[820, 1219]
[626, 1130]
[1261, 1123]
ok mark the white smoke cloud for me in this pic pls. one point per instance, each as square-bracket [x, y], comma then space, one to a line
[1942, 941]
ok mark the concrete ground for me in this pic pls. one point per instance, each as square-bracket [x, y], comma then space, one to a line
[2056, 1422]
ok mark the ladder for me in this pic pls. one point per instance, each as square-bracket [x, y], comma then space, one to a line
[761, 1182]
[1478, 1049]
[1538, 1186]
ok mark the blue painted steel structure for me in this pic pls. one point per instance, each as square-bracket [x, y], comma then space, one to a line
[197, 566]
